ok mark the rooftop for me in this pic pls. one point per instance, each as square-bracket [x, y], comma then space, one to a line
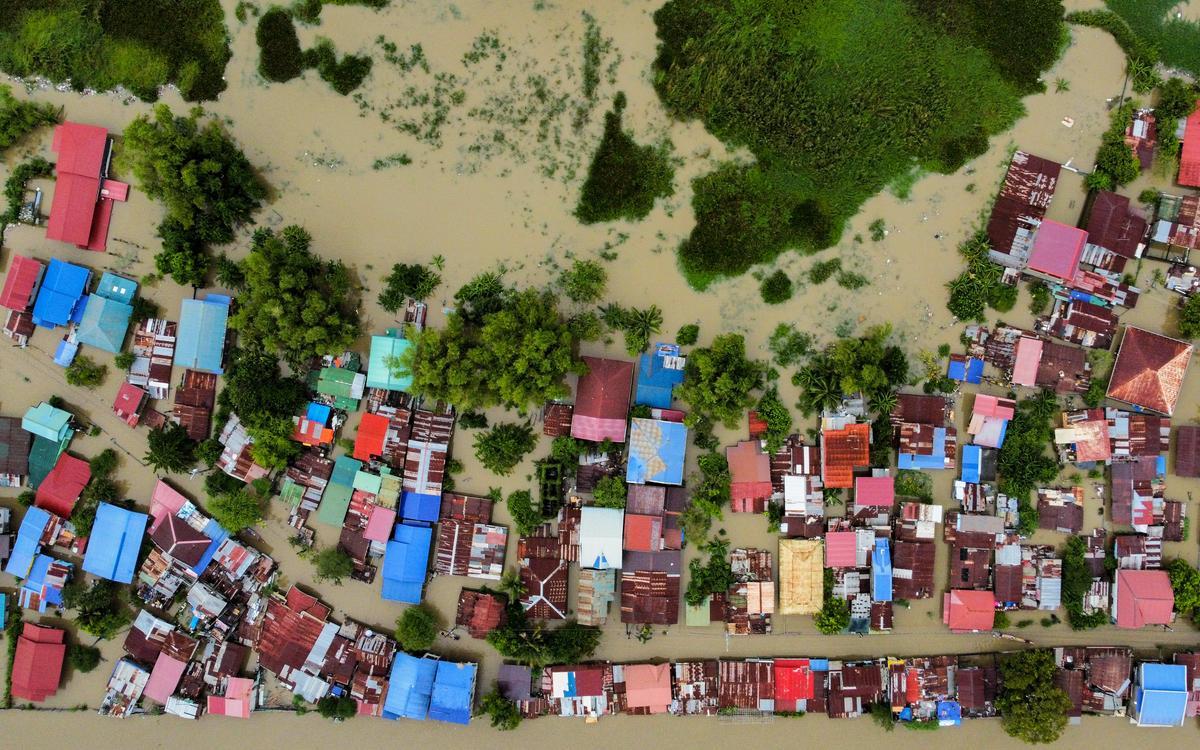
[1149, 370]
[602, 400]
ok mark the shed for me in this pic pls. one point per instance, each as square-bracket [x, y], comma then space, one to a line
[63, 287]
[200, 336]
[114, 543]
[37, 665]
[600, 533]
[656, 451]
[602, 400]
[405, 562]
[21, 284]
[379, 373]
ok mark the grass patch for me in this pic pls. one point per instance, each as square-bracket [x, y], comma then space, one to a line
[1177, 41]
[824, 270]
[624, 178]
[837, 100]
[776, 288]
[138, 45]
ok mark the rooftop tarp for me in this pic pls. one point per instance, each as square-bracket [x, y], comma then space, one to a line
[658, 374]
[105, 323]
[405, 562]
[336, 500]
[656, 452]
[379, 374]
[1162, 693]
[114, 543]
[63, 286]
[600, 534]
[453, 693]
[200, 336]
[410, 688]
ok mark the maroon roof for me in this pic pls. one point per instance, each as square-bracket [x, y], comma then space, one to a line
[1027, 191]
[480, 612]
[466, 508]
[14, 447]
[1149, 370]
[556, 419]
[179, 540]
[289, 630]
[649, 597]
[912, 569]
[1187, 451]
[604, 392]
[1113, 226]
[920, 408]
[1062, 368]
[1007, 583]
[743, 684]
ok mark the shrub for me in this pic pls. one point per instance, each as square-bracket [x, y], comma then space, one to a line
[19, 118]
[280, 58]
[524, 515]
[584, 281]
[333, 565]
[171, 450]
[338, 708]
[610, 492]
[776, 288]
[344, 75]
[624, 178]
[85, 372]
[834, 616]
[719, 379]
[407, 280]
[417, 628]
[502, 447]
[822, 271]
[504, 714]
[83, 659]
[1189, 317]
[687, 335]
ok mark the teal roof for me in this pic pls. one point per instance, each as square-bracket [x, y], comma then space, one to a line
[116, 288]
[42, 457]
[336, 500]
[379, 375]
[47, 422]
[200, 340]
[104, 324]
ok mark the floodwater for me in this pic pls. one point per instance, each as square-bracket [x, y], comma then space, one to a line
[492, 184]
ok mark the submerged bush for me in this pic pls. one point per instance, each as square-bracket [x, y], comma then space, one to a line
[624, 178]
[280, 58]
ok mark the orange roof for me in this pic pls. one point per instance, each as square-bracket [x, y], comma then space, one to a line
[1149, 370]
[372, 432]
[965, 611]
[643, 533]
[843, 450]
[648, 686]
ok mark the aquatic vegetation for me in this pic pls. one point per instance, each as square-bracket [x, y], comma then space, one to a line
[1176, 40]
[344, 75]
[776, 288]
[19, 118]
[835, 103]
[141, 46]
[280, 58]
[624, 178]
[972, 291]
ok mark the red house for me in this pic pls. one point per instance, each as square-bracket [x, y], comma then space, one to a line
[372, 433]
[129, 403]
[1143, 597]
[1189, 159]
[83, 194]
[1149, 370]
[62, 486]
[20, 286]
[602, 400]
[750, 472]
[37, 667]
[968, 611]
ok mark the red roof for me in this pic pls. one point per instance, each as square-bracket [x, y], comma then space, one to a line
[372, 433]
[1149, 370]
[843, 450]
[129, 402]
[1113, 226]
[750, 473]
[1189, 160]
[1057, 248]
[37, 667]
[81, 150]
[875, 492]
[839, 549]
[602, 400]
[967, 611]
[643, 533]
[1144, 597]
[23, 277]
[793, 680]
[62, 486]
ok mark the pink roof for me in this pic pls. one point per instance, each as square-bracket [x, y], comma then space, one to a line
[129, 402]
[1092, 443]
[113, 190]
[648, 686]
[1025, 365]
[164, 678]
[379, 527]
[237, 701]
[876, 492]
[23, 276]
[1057, 248]
[1144, 597]
[37, 665]
[966, 611]
[602, 400]
[991, 406]
[749, 470]
[839, 549]
[1189, 160]
[165, 501]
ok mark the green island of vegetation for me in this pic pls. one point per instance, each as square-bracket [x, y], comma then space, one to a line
[624, 178]
[837, 100]
[281, 59]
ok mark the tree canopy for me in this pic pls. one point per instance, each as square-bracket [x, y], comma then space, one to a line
[237, 510]
[1024, 462]
[19, 118]
[504, 714]
[417, 628]
[1185, 582]
[1031, 707]
[407, 280]
[171, 450]
[868, 365]
[624, 178]
[1189, 317]
[333, 565]
[718, 380]
[294, 304]
[501, 448]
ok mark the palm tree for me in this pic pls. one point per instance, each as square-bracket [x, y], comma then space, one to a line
[511, 585]
[885, 403]
[171, 450]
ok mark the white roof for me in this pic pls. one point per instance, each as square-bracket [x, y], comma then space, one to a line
[600, 535]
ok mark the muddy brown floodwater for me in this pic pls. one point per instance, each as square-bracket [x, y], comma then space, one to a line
[491, 184]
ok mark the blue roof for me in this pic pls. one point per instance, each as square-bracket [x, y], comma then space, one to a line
[881, 571]
[319, 413]
[970, 371]
[116, 288]
[949, 713]
[972, 462]
[217, 533]
[405, 562]
[453, 693]
[1161, 695]
[104, 324]
[37, 580]
[114, 543]
[200, 340]
[64, 353]
[3, 610]
[819, 665]
[655, 381]
[62, 287]
[935, 460]
[659, 447]
[417, 506]
[410, 687]
[29, 541]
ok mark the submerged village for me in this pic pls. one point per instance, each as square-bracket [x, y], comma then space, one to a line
[1023, 491]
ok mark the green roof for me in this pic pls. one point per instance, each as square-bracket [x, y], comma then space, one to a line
[48, 422]
[43, 454]
[369, 483]
[379, 375]
[346, 386]
[698, 617]
[336, 500]
[291, 492]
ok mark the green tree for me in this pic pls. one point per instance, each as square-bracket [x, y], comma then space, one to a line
[124, 360]
[1189, 317]
[1031, 708]
[333, 565]
[237, 510]
[1076, 581]
[338, 708]
[504, 714]
[779, 420]
[834, 616]
[501, 448]
[407, 280]
[294, 303]
[19, 118]
[417, 628]
[280, 58]
[1185, 582]
[624, 178]
[584, 281]
[82, 658]
[687, 335]
[1024, 463]
[171, 450]
[524, 515]
[97, 610]
[713, 576]
[776, 288]
[718, 380]
[209, 451]
[610, 492]
[85, 372]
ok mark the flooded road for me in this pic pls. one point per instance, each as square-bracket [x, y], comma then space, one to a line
[492, 184]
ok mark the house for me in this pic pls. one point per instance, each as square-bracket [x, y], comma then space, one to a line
[1081, 322]
[129, 403]
[313, 430]
[336, 499]
[125, 688]
[1057, 250]
[596, 591]
[750, 472]
[1115, 232]
[544, 581]
[1143, 597]
[926, 446]
[801, 576]
[1149, 370]
[371, 436]
[21, 284]
[1060, 510]
[1187, 451]
[853, 687]
[292, 639]
[874, 492]
[1045, 364]
[1191, 661]
[237, 455]
[1177, 226]
[62, 487]
[650, 586]
[113, 545]
[1095, 678]
[405, 563]
[83, 193]
[43, 585]
[840, 549]
[1024, 197]
[844, 449]
[164, 677]
[602, 400]
[49, 423]
[466, 548]
[105, 319]
[153, 351]
[747, 685]
[965, 369]
[600, 537]
[389, 347]
[583, 690]
[1189, 158]
[63, 287]
[694, 688]
[990, 416]
[1160, 691]
[453, 697]
[647, 687]
[194, 401]
[658, 374]
[480, 612]
[425, 465]
[14, 452]
[881, 571]
[968, 611]
[798, 682]
[239, 700]
[912, 569]
[37, 665]
[410, 687]
[1141, 135]
[344, 387]
[200, 337]
[656, 451]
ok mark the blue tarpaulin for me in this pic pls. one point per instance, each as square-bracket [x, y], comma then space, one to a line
[417, 506]
[966, 369]
[114, 543]
[453, 693]
[949, 713]
[410, 688]
[972, 460]
[405, 561]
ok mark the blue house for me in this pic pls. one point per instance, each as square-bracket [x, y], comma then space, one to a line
[658, 374]
[965, 369]
[881, 571]
[42, 588]
[405, 562]
[58, 300]
[1160, 695]
[410, 687]
[105, 319]
[935, 459]
[28, 543]
[453, 693]
[656, 451]
[200, 337]
[114, 543]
